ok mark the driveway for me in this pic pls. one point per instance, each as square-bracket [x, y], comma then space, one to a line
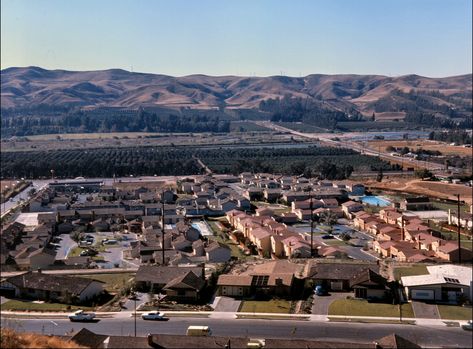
[321, 303]
[227, 304]
[425, 311]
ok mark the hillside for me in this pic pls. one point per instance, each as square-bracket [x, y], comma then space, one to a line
[32, 87]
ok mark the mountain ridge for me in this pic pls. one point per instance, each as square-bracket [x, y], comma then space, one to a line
[27, 87]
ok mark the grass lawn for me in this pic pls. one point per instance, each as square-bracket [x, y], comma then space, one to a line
[357, 307]
[454, 312]
[77, 250]
[271, 306]
[113, 282]
[410, 271]
[17, 305]
[236, 251]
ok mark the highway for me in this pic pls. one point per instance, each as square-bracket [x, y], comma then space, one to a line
[323, 138]
[452, 337]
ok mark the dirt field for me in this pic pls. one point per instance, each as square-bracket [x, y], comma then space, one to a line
[114, 140]
[390, 116]
[433, 189]
[444, 148]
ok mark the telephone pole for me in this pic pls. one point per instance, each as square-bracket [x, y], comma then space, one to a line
[311, 224]
[162, 225]
[458, 229]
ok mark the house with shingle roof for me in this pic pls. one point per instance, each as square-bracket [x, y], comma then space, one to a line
[46, 287]
[185, 287]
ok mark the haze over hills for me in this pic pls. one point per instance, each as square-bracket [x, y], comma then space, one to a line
[33, 86]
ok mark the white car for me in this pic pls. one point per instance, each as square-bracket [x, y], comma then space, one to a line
[80, 315]
[468, 326]
[154, 315]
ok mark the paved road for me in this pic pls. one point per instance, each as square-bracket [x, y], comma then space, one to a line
[357, 332]
[65, 246]
[344, 144]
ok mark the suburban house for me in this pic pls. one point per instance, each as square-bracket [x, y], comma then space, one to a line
[368, 284]
[419, 203]
[336, 276]
[466, 219]
[156, 277]
[47, 287]
[280, 278]
[217, 252]
[351, 206]
[185, 287]
[444, 283]
[35, 258]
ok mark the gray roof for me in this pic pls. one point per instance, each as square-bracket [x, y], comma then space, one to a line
[338, 271]
[163, 274]
[48, 282]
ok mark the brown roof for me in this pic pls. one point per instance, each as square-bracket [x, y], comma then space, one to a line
[186, 281]
[48, 282]
[163, 274]
[88, 339]
[367, 276]
[339, 271]
[393, 341]
[234, 280]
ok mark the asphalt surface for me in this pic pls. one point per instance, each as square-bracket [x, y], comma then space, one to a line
[452, 337]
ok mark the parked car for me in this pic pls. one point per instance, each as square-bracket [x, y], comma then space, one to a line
[154, 315]
[468, 326]
[327, 236]
[80, 315]
[320, 291]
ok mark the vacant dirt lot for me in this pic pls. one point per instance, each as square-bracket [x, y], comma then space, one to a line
[444, 148]
[433, 189]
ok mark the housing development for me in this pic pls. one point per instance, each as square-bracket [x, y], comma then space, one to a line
[236, 174]
[247, 246]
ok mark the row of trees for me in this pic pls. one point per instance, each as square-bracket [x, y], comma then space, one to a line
[452, 136]
[330, 163]
[111, 120]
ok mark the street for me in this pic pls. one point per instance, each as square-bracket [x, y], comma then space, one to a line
[452, 337]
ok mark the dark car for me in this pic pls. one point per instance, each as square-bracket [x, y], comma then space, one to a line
[327, 236]
[320, 291]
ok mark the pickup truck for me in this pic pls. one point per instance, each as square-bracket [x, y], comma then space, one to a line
[80, 315]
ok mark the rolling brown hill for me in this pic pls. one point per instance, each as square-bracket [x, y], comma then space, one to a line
[33, 86]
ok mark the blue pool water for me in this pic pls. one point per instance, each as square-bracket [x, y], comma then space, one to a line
[375, 201]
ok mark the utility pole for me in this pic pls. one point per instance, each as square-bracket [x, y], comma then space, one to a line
[162, 225]
[311, 224]
[458, 229]
[135, 312]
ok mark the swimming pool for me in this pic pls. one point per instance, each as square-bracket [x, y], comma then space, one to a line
[375, 201]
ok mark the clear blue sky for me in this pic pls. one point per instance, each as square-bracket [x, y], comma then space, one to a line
[241, 37]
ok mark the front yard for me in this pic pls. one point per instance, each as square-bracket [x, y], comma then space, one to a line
[454, 312]
[18, 305]
[355, 307]
[271, 306]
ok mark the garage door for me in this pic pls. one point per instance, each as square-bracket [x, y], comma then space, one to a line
[422, 294]
[336, 285]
